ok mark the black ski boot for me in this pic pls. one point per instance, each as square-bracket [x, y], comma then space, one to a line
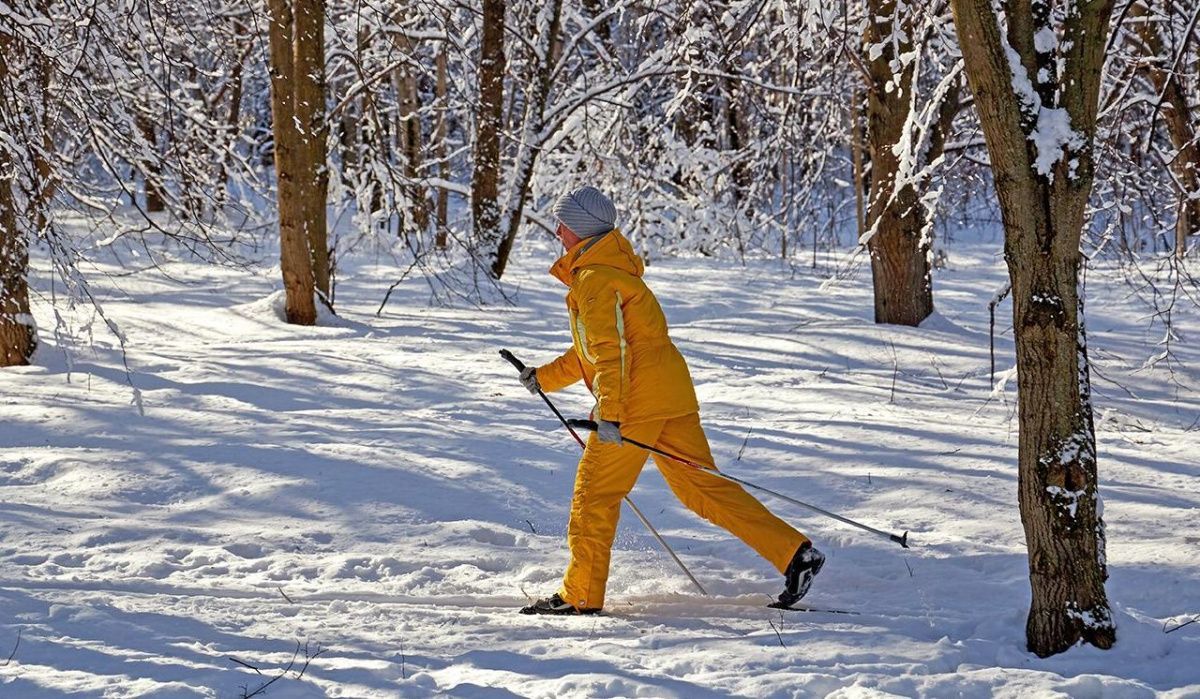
[799, 576]
[555, 605]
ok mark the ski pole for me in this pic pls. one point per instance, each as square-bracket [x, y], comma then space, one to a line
[628, 501]
[899, 539]
[520, 366]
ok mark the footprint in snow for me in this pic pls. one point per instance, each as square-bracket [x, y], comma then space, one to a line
[245, 550]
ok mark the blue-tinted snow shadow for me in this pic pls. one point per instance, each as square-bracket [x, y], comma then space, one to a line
[103, 641]
[561, 668]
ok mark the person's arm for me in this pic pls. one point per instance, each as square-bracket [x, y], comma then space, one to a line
[561, 372]
[604, 343]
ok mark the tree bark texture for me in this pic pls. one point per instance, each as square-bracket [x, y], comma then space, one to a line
[294, 256]
[308, 83]
[485, 178]
[18, 337]
[1043, 204]
[899, 245]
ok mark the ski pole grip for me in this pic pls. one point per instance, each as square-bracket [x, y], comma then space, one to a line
[512, 360]
[589, 425]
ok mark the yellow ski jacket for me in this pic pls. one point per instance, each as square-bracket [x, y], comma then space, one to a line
[620, 346]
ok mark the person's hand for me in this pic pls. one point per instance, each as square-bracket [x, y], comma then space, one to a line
[529, 380]
[609, 432]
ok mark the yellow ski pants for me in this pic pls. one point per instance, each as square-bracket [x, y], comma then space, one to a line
[607, 472]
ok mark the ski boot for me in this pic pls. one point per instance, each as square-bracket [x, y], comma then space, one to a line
[554, 604]
[799, 576]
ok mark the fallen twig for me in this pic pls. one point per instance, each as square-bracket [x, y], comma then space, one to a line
[933, 361]
[744, 442]
[776, 630]
[895, 371]
[308, 658]
[14, 650]
[245, 664]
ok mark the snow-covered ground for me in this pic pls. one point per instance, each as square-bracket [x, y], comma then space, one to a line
[385, 492]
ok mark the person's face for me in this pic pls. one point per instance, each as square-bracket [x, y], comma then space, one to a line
[566, 236]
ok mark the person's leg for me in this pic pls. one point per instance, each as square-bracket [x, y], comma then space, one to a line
[607, 472]
[724, 503]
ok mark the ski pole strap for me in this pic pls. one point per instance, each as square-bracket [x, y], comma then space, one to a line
[901, 539]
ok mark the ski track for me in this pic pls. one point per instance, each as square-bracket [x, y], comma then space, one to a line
[383, 488]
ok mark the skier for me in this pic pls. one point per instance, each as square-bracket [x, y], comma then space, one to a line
[643, 392]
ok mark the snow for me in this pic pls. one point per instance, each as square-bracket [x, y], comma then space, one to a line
[1067, 499]
[384, 488]
[1045, 40]
[1023, 89]
[1052, 134]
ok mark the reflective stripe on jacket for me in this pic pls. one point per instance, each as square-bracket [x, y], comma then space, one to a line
[620, 347]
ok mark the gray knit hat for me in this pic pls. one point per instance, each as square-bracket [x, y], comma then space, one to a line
[586, 211]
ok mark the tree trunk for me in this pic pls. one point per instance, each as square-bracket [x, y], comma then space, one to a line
[350, 142]
[153, 169]
[47, 181]
[18, 337]
[739, 134]
[312, 173]
[859, 164]
[409, 136]
[896, 220]
[294, 257]
[695, 118]
[443, 195]
[1181, 125]
[1043, 194]
[485, 179]
[233, 117]
[533, 130]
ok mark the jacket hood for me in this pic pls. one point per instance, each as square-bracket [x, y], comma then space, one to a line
[610, 249]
